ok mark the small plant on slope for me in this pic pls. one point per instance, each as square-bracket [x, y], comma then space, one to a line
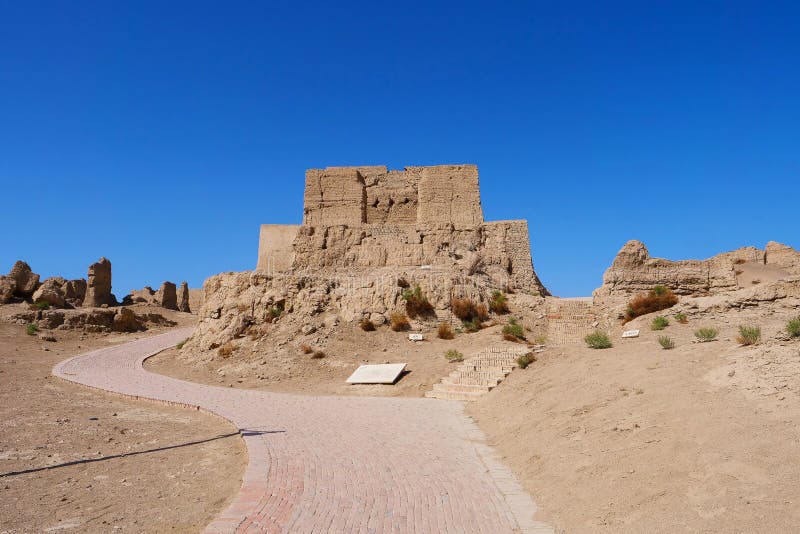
[366, 325]
[749, 335]
[659, 323]
[513, 331]
[793, 327]
[31, 329]
[499, 303]
[681, 318]
[666, 342]
[453, 355]
[706, 334]
[598, 340]
[525, 360]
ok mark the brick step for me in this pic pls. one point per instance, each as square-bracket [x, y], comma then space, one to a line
[490, 383]
[504, 370]
[461, 388]
[476, 375]
[453, 395]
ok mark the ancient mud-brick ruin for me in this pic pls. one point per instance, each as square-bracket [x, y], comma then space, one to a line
[371, 217]
[367, 235]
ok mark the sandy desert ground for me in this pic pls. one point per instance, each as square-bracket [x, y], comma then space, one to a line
[76, 460]
[700, 438]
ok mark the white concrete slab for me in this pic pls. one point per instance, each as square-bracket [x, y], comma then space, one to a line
[630, 333]
[416, 337]
[385, 373]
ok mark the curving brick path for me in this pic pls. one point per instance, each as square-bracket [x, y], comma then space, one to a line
[334, 464]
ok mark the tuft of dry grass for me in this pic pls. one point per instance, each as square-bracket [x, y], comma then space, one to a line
[445, 331]
[399, 322]
[306, 349]
[402, 282]
[318, 355]
[471, 314]
[514, 331]
[227, 349]
[749, 335]
[366, 325]
[704, 335]
[657, 299]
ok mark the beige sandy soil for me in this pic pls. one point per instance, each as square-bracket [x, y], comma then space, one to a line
[300, 373]
[139, 467]
[701, 438]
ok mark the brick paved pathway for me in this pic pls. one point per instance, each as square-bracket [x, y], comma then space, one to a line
[335, 464]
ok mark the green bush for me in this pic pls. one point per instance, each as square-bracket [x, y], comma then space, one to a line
[42, 305]
[659, 323]
[499, 303]
[666, 342]
[453, 355]
[513, 331]
[749, 335]
[31, 329]
[598, 340]
[793, 327]
[706, 334]
[681, 318]
[525, 360]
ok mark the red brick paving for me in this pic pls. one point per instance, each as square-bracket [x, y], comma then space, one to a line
[334, 464]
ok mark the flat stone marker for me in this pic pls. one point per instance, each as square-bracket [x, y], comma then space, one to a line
[630, 333]
[385, 373]
[416, 337]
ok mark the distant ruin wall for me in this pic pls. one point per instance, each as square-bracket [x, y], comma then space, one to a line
[353, 196]
[276, 247]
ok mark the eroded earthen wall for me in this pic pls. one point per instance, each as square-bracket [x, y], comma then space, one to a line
[276, 247]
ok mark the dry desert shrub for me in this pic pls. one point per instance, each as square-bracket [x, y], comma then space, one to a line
[659, 323]
[499, 303]
[681, 318]
[598, 340]
[445, 331]
[366, 325]
[707, 334]
[749, 335]
[793, 327]
[227, 349]
[513, 331]
[417, 304]
[666, 342]
[453, 355]
[306, 349]
[402, 282]
[525, 360]
[657, 299]
[399, 322]
[471, 314]
[318, 355]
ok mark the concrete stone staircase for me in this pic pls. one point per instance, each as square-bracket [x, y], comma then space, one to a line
[569, 320]
[478, 374]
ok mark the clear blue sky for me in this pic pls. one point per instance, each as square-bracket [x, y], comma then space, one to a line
[162, 134]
